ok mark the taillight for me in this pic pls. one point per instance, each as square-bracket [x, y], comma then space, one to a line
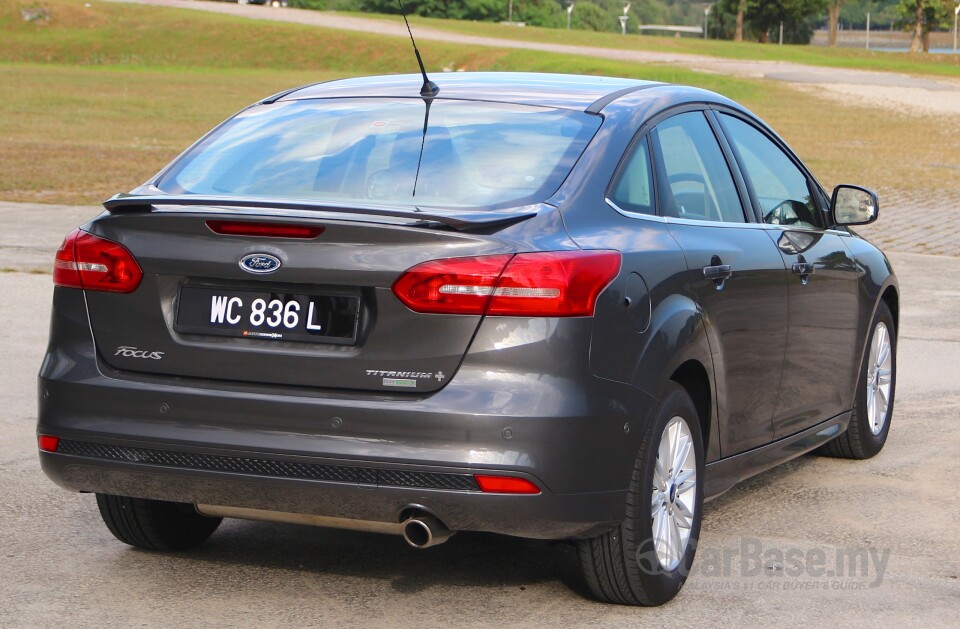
[451, 286]
[550, 284]
[505, 485]
[48, 443]
[271, 230]
[93, 263]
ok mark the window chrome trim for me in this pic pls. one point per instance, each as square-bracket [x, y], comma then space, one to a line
[747, 225]
[629, 214]
[672, 220]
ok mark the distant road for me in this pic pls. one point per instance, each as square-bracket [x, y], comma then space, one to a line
[900, 92]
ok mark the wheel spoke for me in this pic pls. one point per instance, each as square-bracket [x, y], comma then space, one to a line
[683, 515]
[656, 500]
[676, 547]
[673, 439]
[684, 476]
[658, 476]
[662, 535]
[881, 399]
[884, 354]
[884, 376]
[663, 455]
[682, 453]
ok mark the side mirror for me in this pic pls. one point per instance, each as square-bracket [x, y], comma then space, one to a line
[853, 205]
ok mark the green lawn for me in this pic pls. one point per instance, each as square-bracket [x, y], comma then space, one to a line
[943, 65]
[101, 98]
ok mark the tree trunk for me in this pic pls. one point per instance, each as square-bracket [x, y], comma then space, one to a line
[917, 42]
[834, 14]
[741, 9]
[764, 37]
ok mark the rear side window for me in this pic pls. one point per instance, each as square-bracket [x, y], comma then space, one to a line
[474, 154]
[693, 178]
[633, 189]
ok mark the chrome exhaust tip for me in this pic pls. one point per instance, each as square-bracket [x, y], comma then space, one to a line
[424, 531]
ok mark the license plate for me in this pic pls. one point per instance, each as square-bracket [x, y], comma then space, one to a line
[271, 316]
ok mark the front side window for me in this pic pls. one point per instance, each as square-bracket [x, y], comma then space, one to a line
[693, 177]
[474, 154]
[779, 186]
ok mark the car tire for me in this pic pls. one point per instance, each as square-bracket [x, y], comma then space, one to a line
[870, 420]
[625, 565]
[154, 524]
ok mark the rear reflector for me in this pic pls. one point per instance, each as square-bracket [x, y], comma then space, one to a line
[550, 284]
[93, 263]
[505, 485]
[266, 230]
[48, 443]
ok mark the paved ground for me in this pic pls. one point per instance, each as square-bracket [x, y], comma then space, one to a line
[62, 567]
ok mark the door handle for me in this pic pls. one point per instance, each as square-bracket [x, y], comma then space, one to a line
[803, 268]
[717, 272]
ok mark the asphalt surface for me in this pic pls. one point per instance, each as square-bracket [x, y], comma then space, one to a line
[62, 568]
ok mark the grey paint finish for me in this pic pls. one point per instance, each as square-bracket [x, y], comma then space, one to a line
[559, 401]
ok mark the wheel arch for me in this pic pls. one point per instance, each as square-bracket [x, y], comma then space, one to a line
[891, 297]
[694, 378]
[685, 356]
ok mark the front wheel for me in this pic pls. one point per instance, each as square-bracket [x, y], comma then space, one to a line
[873, 403]
[646, 559]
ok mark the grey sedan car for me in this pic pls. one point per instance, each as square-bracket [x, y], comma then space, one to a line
[546, 306]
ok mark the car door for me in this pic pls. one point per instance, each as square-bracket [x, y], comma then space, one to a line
[822, 279]
[736, 274]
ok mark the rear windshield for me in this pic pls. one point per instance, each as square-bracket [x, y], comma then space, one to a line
[474, 154]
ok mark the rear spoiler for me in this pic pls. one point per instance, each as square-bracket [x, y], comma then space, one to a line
[457, 219]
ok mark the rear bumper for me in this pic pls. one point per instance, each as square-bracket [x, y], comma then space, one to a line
[543, 516]
[351, 455]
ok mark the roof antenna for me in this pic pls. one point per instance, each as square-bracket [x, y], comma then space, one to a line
[428, 92]
[429, 89]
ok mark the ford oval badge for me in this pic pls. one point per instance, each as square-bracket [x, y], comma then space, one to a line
[259, 263]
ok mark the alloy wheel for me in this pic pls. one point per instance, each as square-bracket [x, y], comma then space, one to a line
[674, 493]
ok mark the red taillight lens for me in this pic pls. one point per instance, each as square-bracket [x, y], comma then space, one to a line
[65, 271]
[555, 284]
[505, 485]
[93, 263]
[267, 230]
[48, 443]
[551, 284]
[451, 286]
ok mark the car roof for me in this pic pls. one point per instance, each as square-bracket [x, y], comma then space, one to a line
[566, 91]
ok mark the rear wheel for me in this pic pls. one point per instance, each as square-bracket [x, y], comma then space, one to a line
[154, 524]
[646, 559]
[873, 405]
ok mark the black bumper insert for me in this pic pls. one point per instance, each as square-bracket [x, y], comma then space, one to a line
[271, 467]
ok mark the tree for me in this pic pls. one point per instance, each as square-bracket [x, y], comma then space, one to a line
[833, 15]
[741, 10]
[917, 40]
[796, 16]
[921, 16]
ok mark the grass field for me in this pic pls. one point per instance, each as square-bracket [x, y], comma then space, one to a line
[100, 98]
[942, 65]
